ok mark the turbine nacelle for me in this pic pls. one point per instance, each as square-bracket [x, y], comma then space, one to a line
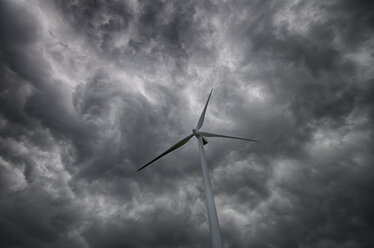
[205, 140]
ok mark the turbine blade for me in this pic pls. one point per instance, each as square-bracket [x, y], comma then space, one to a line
[174, 147]
[206, 134]
[202, 116]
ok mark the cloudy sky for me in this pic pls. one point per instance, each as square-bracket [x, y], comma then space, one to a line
[92, 90]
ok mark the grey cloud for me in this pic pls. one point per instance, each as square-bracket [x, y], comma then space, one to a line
[129, 79]
[99, 20]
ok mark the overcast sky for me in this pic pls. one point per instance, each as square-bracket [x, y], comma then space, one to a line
[92, 90]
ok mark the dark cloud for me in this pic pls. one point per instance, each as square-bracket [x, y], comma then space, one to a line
[92, 90]
[100, 21]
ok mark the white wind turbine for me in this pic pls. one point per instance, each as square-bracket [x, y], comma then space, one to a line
[201, 137]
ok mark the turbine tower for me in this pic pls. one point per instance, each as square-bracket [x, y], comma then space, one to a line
[201, 138]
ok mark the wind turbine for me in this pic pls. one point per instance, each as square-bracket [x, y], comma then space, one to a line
[201, 137]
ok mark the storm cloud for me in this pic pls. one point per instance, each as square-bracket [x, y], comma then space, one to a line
[91, 90]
